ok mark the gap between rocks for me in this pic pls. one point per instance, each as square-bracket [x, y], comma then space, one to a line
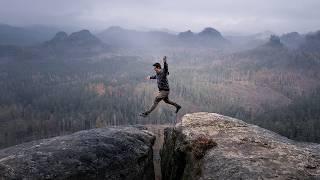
[158, 131]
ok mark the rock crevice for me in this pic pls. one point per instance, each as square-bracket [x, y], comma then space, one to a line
[212, 146]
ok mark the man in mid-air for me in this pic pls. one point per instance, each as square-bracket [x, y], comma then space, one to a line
[163, 86]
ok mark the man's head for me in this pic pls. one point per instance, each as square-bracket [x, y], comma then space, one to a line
[157, 67]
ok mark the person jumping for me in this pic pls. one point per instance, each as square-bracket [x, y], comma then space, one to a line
[163, 86]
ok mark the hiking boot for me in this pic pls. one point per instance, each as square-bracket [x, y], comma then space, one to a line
[143, 114]
[178, 108]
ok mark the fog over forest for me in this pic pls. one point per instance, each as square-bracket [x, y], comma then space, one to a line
[72, 65]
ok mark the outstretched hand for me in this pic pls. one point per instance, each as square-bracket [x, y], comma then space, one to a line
[164, 59]
[147, 78]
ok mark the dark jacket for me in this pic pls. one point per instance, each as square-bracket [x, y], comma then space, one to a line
[161, 77]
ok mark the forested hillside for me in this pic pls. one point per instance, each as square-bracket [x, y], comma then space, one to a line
[48, 89]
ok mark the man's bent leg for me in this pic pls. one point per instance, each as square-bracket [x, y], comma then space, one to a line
[166, 100]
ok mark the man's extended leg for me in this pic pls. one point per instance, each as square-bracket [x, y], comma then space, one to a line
[155, 103]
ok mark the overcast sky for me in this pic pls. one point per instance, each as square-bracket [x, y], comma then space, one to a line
[245, 16]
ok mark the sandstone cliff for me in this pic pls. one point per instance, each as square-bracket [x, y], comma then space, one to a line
[212, 146]
[202, 146]
[105, 153]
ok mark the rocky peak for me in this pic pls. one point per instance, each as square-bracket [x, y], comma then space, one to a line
[212, 146]
[60, 36]
[186, 34]
[81, 43]
[210, 37]
[210, 32]
[77, 38]
[83, 35]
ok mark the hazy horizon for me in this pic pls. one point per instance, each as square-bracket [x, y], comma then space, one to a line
[245, 17]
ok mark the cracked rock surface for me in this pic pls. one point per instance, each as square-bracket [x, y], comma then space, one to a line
[212, 146]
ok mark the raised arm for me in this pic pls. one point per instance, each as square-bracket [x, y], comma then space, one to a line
[165, 65]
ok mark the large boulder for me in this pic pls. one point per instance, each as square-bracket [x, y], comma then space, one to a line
[105, 153]
[212, 146]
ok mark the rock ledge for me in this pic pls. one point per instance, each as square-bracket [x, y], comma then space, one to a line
[105, 153]
[211, 146]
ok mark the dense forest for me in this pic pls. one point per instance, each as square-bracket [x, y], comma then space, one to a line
[45, 93]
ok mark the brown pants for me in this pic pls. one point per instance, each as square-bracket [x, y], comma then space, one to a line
[162, 95]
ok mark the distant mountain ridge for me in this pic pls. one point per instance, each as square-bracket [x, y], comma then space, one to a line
[119, 37]
[82, 43]
[209, 37]
[312, 43]
[24, 36]
[292, 40]
[80, 38]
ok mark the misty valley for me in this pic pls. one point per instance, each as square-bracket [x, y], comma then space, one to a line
[59, 83]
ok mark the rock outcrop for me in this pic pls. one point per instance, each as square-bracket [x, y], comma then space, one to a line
[78, 44]
[210, 32]
[186, 35]
[212, 146]
[80, 38]
[105, 153]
